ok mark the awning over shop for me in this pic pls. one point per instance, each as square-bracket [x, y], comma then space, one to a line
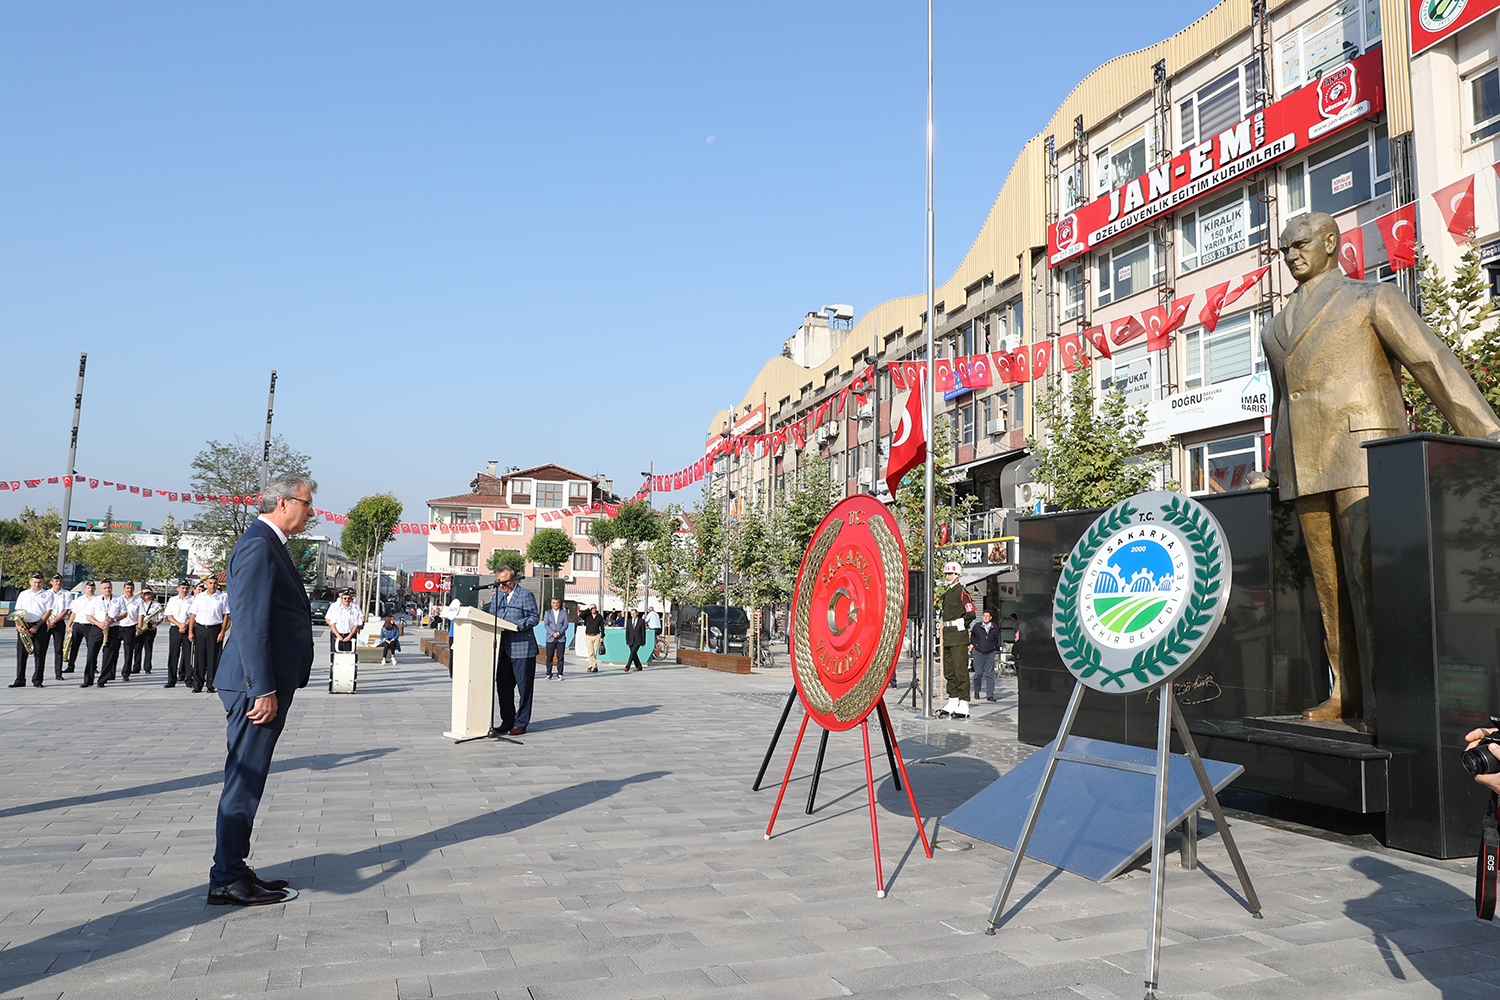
[1007, 574]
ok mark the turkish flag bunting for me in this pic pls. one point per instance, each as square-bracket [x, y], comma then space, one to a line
[52, 480]
[1352, 253]
[1070, 350]
[136, 490]
[1099, 340]
[93, 484]
[1001, 362]
[944, 374]
[1456, 202]
[914, 372]
[68, 481]
[426, 529]
[1209, 314]
[1041, 357]
[1398, 230]
[820, 415]
[15, 485]
[33, 483]
[1163, 320]
[1123, 331]
[799, 434]
[979, 372]
[842, 401]
[1020, 364]
[172, 497]
[405, 529]
[898, 374]
[908, 439]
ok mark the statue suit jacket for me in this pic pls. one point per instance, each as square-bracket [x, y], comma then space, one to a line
[1333, 354]
[270, 643]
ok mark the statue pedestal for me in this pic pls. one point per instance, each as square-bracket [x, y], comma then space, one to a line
[473, 663]
[1435, 554]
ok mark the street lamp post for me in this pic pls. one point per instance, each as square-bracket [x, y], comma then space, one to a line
[727, 427]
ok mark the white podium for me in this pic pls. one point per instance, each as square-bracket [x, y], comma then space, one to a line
[474, 636]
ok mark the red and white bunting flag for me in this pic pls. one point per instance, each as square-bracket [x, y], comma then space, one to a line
[1070, 350]
[1161, 321]
[1020, 363]
[908, 438]
[67, 480]
[15, 485]
[33, 483]
[1001, 366]
[1100, 340]
[4, 485]
[1352, 253]
[52, 480]
[426, 529]
[898, 374]
[1123, 331]
[1456, 202]
[93, 484]
[842, 402]
[944, 374]
[1398, 230]
[980, 376]
[1041, 358]
[914, 371]
[1209, 314]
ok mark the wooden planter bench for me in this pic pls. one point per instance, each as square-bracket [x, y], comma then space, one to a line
[714, 661]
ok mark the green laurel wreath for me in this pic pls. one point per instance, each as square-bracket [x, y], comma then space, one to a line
[1166, 653]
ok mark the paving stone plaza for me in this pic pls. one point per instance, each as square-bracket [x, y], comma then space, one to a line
[615, 851]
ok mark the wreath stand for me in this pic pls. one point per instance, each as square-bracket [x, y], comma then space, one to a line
[887, 733]
[1168, 718]
[892, 750]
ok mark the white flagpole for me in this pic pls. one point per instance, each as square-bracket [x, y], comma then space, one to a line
[928, 408]
[67, 511]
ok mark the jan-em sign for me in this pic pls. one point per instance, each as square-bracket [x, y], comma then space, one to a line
[849, 612]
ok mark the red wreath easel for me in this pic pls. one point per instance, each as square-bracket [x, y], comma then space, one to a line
[848, 576]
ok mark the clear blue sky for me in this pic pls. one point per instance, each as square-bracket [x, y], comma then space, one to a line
[472, 231]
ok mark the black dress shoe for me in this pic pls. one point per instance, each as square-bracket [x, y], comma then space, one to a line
[212, 689]
[170, 684]
[19, 684]
[68, 671]
[245, 892]
[87, 684]
[273, 884]
[36, 684]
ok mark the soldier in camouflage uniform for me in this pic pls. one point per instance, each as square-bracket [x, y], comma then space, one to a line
[956, 613]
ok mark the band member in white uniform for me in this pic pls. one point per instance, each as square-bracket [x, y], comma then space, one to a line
[145, 643]
[209, 617]
[34, 606]
[58, 603]
[127, 631]
[344, 620]
[78, 618]
[179, 639]
[109, 612]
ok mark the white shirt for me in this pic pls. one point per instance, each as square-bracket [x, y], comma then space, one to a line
[344, 620]
[132, 611]
[149, 608]
[208, 609]
[108, 607]
[653, 620]
[82, 607]
[58, 602]
[34, 603]
[179, 608]
[279, 533]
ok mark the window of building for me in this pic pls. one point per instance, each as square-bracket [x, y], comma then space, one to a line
[463, 557]
[1219, 105]
[586, 562]
[1125, 158]
[1072, 292]
[460, 517]
[1221, 227]
[1334, 37]
[1484, 104]
[1341, 175]
[1129, 267]
[549, 495]
[966, 424]
[1000, 331]
[1232, 351]
[1222, 466]
[967, 339]
[1017, 328]
[579, 493]
[1017, 406]
[520, 491]
[581, 525]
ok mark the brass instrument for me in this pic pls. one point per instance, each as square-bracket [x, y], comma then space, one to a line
[27, 642]
[68, 638]
[150, 621]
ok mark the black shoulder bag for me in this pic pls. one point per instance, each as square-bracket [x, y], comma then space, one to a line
[1489, 861]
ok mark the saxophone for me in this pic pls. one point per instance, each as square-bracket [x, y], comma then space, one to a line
[27, 642]
[68, 638]
[149, 621]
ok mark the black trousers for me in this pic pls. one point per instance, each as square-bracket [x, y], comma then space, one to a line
[106, 654]
[127, 650]
[555, 648]
[179, 657]
[140, 657]
[39, 641]
[58, 633]
[81, 632]
[635, 658]
[205, 654]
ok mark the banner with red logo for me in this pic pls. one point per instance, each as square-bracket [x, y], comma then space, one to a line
[1434, 20]
[1339, 99]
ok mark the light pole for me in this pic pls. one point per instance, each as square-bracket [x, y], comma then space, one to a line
[598, 481]
[927, 410]
[725, 434]
[651, 494]
[62, 538]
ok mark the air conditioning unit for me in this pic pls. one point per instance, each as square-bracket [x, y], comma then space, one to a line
[568, 578]
[833, 429]
[1027, 494]
[866, 477]
[867, 411]
[996, 426]
[820, 435]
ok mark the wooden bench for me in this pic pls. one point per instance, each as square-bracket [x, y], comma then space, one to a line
[714, 661]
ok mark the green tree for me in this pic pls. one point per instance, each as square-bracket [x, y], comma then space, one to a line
[697, 558]
[114, 555]
[948, 508]
[166, 562]
[759, 554]
[795, 518]
[28, 544]
[507, 557]
[371, 524]
[550, 547]
[627, 538]
[304, 554]
[1461, 313]
[668, 555]
[233, 469]
[1088, 458]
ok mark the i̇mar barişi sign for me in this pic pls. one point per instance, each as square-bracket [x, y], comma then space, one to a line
[1339, 98]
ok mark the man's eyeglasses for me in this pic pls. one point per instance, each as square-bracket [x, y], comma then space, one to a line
[299, 500]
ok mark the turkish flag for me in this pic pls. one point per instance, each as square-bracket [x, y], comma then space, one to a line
[1209, 314]
[1123, 331]
[405, 529]
[426, 529]
[172, 497]
[908, 440]
[1099, 340]
[1020, 363]
[1456, 202]
[979, 372]
[843, 401]
[820, 415]
[944, 374]
[915, 372]
[1002, 367]
[1041, 357]
[1352, 253]
[1398, 230]
[93, 484]
[1163, 320]
[1070, 350]
[799, 434]
[898, 374]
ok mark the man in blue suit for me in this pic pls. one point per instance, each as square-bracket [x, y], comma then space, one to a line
[516, 672]
[266, 658]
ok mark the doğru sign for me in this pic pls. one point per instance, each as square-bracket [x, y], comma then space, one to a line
[1348, 94]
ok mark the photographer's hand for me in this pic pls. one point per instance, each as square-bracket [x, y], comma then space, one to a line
[1490, 781]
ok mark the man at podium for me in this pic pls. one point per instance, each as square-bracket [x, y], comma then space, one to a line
[515, 674]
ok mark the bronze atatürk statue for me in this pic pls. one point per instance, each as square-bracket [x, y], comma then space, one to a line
[1333, 353]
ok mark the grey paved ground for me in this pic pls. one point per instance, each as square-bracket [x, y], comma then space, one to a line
[616, 851]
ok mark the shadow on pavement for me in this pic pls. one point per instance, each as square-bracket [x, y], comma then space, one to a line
[341, 874]
[575, 719]
[312, 762]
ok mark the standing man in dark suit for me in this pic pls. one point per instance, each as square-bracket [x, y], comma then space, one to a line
[515, 674]
[266, 658]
